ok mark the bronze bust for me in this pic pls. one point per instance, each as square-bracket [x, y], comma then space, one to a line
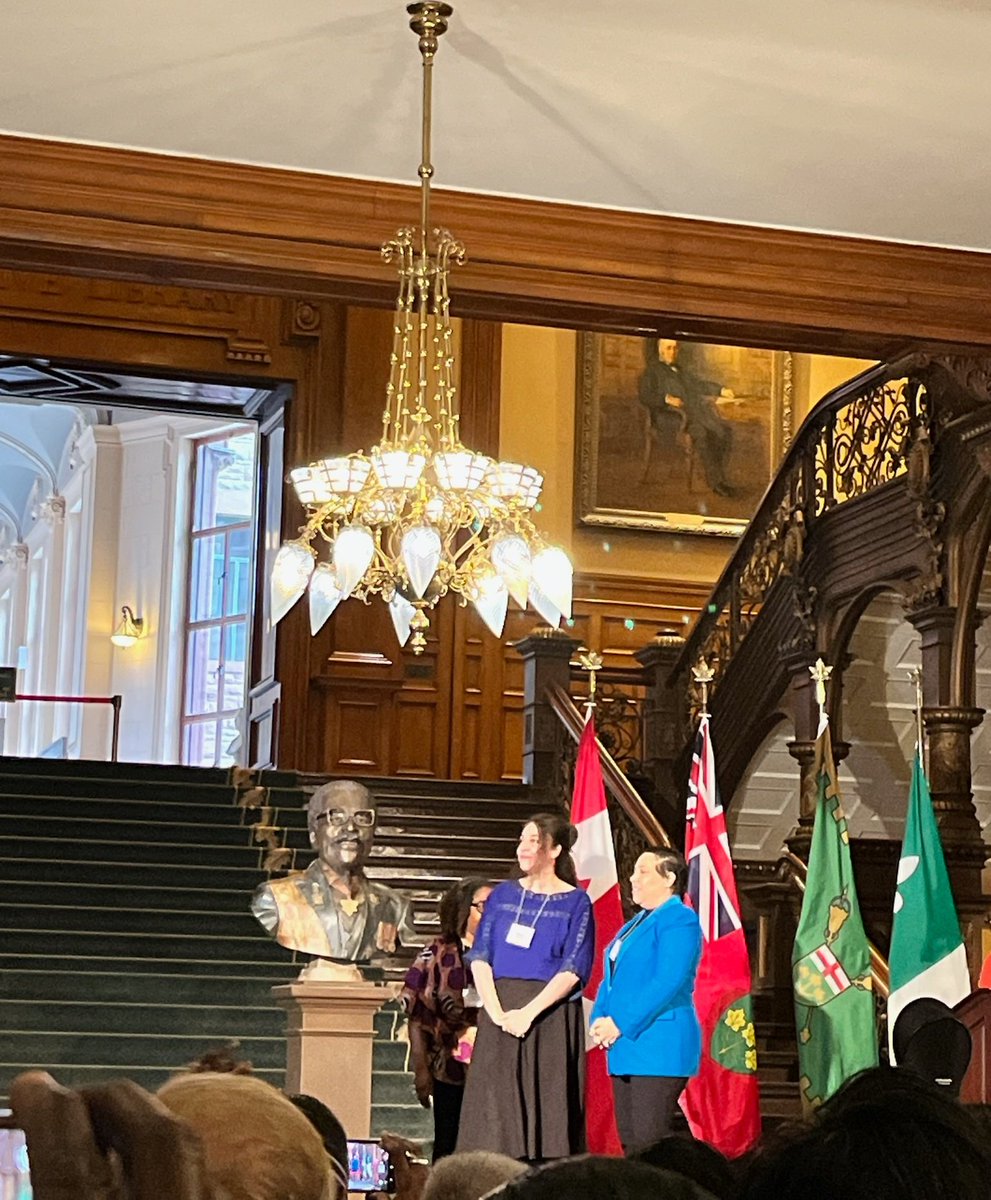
[332, 910]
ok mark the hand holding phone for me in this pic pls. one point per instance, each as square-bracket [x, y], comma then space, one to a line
[370, 1167]
[409, 1170]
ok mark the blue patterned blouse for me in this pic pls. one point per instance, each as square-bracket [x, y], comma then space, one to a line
[563, 934]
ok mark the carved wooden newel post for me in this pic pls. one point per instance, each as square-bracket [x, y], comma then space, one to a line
[546, 657]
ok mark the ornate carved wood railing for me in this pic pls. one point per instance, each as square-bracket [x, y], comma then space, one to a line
[633, 823]
[619, 714]
[859, 438]
[887, 488]
[616, 782]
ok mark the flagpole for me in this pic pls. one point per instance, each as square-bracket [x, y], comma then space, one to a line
[591, 662]
[915, 675]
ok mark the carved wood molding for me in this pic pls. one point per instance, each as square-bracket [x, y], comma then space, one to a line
[130, 214]
[598, 587]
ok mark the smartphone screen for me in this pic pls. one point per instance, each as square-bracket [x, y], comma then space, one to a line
[369, 1167]
[15, 1180]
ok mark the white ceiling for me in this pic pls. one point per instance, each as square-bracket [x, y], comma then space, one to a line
[857, 116]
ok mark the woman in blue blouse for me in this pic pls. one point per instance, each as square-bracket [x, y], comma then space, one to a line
[644, 1014]
[531, 959]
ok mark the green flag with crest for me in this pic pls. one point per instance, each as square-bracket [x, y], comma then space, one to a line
[831, 963]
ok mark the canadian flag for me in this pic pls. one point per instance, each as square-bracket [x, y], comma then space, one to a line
[595, 861]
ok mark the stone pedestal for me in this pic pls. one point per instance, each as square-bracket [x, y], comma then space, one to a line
[329, 1033]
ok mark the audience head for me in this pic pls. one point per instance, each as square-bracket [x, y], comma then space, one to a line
[222, 1060]
[592, 1176]
[331, 1131]
[931, 1041]
[256, 1144]
[548, 837]
[461, 907]
[470, 1175]
[885, 1135]
[694, 1160]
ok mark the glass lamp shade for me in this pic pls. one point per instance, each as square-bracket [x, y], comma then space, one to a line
[461, 470]
[311, 487]
[552, 575]
[402, 613]
[290, 574]
[354, 549]
[511, 559]
[544, 605]
[397, 469]
[492, 602]
[343, 476]
[533, 483]
[515, 482]
[380, 510]
[435, 510]
[421, 550]
[325, 596]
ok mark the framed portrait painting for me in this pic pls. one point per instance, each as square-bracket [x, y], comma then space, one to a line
[675, 435]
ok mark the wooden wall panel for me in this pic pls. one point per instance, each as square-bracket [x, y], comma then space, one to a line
[487, 688]
[357, 734]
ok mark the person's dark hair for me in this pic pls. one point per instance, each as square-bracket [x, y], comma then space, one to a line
[886, 1134]
[221, 1060]
[455, 907]
[596, 1175]
[694, 1160]
[671, 861]
[557, 830]
[335, 1140]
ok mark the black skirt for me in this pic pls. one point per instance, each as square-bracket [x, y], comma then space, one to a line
[525, 1097]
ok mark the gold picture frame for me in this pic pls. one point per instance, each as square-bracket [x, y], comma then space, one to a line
[677, 436]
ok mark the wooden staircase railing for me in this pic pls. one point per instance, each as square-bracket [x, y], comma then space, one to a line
[616, 783]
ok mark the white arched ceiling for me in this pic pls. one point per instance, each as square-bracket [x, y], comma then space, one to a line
[36, 441]
[865, 118]
[764, 809]
[879, 719]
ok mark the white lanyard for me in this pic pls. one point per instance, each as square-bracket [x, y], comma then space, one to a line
[522, 935]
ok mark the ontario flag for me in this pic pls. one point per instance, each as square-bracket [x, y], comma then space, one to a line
[722, 1102]
[595, 862]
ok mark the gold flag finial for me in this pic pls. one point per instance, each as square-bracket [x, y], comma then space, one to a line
[821, 673]
[590, 661]
[703, 675]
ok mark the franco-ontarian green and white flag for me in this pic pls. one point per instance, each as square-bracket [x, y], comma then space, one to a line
[927, 956]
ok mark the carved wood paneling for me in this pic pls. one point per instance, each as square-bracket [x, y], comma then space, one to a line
[130, 214]
[487, 692]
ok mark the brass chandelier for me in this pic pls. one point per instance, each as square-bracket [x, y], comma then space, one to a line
[421, 514]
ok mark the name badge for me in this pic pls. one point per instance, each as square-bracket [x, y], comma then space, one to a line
[520, 935]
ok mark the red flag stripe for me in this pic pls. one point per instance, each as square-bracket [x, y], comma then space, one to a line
[595, 862]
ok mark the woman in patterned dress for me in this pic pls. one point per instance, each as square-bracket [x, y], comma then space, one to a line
[441, 1023]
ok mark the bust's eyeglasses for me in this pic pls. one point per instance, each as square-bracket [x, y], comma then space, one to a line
[478, 905]
[364, 818]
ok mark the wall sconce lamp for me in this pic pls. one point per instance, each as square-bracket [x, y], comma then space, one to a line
[129, 629]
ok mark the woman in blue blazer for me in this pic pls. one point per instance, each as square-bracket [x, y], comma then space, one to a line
[644, 1015]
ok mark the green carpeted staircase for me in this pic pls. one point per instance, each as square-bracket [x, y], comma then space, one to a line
[127, 944]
